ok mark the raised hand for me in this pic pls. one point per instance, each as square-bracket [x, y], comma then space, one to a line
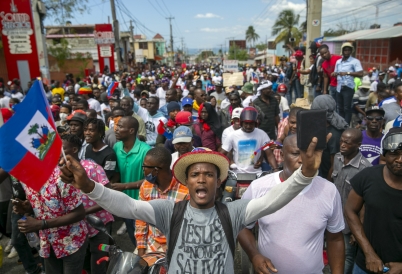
[311, 158]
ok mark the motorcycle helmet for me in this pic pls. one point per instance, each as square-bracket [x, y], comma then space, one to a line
[282, 89]
[249, 114]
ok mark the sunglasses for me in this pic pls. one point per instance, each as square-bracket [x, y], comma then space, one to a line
[371, 118]
[153, 167]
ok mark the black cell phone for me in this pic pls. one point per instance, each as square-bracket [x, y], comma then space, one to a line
[311, 123]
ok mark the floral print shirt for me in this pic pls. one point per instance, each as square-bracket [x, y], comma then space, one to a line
[56, 199]
[95, 172]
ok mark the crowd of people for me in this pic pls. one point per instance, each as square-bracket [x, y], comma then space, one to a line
[165, 133]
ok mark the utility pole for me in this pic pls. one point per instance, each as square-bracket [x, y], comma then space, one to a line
[376, 15]
[171, 38]
[116, 34]
[132, 39]
[314, 8]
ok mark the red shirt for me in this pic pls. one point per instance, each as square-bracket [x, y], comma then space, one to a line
[328, 66]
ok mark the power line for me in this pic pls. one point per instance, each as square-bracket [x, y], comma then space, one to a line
[357, 19]
[156, 9]
[160, 7]
[166, 7]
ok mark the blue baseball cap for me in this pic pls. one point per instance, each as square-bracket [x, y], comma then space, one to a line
[186, 101]
[182, 134]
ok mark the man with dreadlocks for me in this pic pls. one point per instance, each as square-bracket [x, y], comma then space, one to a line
[97, 150]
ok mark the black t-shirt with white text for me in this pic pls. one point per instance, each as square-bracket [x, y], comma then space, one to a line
[383, 215]
[105, 157]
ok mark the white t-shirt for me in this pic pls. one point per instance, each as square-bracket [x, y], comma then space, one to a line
[283, 106]
[5, 102]
[243, 145]
[373, 86]
[151, 126]
[17, 95]
[219, 97]
[161, 93]
[225, 102]
[76, 88]
[94, 104]
[227, 132]
[216, 78]
[246, 102]
[293, 237]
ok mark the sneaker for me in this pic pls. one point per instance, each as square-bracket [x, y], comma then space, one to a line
[13, 253]
[8, 247]
[122, 229]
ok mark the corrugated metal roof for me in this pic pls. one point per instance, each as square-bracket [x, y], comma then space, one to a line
[368, 34]
[384, 33]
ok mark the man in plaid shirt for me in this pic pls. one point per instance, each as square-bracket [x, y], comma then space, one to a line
[159, 183]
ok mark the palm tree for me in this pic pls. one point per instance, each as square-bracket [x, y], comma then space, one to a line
[251, 35]
[285, 27]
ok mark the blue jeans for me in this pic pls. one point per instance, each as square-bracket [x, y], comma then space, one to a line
[350, 254]
[130, 224]
[296, 86]
[344, 102]
[358, 270]
[20, 243]
[332, 91]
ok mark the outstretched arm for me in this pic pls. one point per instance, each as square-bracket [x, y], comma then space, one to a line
[282, 194]
[110, 200]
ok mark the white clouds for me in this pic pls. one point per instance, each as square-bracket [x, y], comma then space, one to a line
[207, 15]
[187, 31]
[213, 29]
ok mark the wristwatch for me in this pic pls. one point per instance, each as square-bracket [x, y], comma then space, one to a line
[348, 73]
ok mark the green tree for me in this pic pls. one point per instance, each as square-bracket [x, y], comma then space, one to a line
[261, 46]
[251, 35]
[61, 52]
[286, 27]
[61, 10]
[235, 53]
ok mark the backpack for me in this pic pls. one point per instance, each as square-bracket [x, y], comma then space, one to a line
[177, 220]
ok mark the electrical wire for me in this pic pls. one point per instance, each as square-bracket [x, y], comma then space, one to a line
[358, 18]
[166, 7]
[156, 9]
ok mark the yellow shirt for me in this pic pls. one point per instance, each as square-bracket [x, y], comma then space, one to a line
[59, 91]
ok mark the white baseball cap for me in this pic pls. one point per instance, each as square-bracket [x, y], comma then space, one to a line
[236, 113]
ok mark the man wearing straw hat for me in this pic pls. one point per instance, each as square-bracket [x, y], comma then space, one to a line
[199, 243]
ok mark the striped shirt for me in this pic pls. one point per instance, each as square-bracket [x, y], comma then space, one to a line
[149, 236]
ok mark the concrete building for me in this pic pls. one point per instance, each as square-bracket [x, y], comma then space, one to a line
[80, 39]
[374, 47]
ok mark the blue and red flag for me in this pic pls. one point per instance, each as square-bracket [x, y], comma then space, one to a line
[112, 87]
[209, 87]
[164, 130]
[30, 147]
[254, 77]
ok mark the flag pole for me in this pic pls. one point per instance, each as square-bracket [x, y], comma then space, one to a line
[64, 155]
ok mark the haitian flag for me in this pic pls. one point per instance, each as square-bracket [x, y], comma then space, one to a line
[209, 87]
[30, 147]
[254, 77]
[112, 87]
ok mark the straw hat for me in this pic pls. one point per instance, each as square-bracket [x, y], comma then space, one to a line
[301, 103]
[200, 156]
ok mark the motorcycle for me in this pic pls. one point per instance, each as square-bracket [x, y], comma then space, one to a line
[127, 262]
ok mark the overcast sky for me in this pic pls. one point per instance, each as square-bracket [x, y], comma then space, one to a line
[208, 24]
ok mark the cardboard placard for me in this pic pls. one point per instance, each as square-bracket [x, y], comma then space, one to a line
[230, 79]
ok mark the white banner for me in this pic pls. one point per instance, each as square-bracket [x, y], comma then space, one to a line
[231, 65]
